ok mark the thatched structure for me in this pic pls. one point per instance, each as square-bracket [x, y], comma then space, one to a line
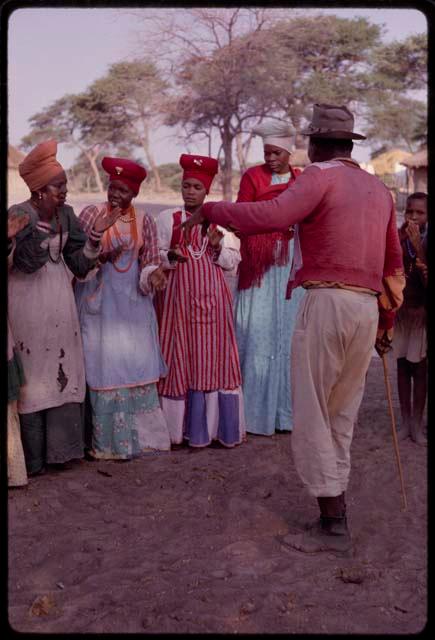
[416, 168]
[387, 162]
[17, 189]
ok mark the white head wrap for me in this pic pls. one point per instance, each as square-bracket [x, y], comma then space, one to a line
[279, 134]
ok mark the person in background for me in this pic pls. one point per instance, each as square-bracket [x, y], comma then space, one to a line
[352, 270]
[17, 476]
[119, 327]
[410, 338]
[201, 395]
[264, 318]
[43, 314]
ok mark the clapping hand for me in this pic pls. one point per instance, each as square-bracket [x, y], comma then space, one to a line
[158, 279]
[16, 222]
[107, 218]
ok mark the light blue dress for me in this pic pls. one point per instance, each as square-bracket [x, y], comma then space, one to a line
[123, 362]
[264, 326]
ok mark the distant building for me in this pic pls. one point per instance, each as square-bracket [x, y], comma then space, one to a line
[387, 162]
[416, 171]
[17, 188]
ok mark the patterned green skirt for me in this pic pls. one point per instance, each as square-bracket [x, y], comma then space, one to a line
[127, 423]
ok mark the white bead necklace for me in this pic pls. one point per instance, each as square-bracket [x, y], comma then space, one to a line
[197, 255]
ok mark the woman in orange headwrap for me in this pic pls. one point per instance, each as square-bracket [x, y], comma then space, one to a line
[43, 314]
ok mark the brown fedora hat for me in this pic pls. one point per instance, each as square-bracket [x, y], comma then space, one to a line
[332, 121]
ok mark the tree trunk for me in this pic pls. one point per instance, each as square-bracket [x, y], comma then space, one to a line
[241, 157]
[91, 157]
[227, 167]
[150, 159]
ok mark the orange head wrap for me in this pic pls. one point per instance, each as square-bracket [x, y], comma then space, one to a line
[40, 165]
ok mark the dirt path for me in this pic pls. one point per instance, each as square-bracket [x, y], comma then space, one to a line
[189, 542]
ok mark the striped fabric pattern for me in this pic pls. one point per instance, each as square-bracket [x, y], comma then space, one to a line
[196, 327]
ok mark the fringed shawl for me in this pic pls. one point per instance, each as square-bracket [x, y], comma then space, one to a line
[260, 252]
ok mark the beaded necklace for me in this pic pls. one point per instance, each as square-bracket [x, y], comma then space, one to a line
[131, 246]
[197, 255]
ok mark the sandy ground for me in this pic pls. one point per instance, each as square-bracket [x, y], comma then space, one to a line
[189, 542]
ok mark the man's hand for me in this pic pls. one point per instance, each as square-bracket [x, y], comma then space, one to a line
[214, 237]
[383, 342]
[16, 222]
[196, 218]
[176, 255]
[107, 218]
[158, 279]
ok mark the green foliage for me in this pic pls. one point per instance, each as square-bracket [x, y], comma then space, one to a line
[397, 120]
[402, 65]
[233, 81]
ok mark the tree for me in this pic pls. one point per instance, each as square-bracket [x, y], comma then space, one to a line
[402, 65]
[130, 95]
[221, 86]
[398, 120]
[234, 67]
[76, 121]
[117, 109]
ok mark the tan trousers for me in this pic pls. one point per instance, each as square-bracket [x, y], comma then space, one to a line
[332, 346]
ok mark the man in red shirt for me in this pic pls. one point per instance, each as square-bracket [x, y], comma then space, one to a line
[351, 266]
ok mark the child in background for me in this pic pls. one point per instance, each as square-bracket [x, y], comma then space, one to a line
[201, 396]
[410, 340]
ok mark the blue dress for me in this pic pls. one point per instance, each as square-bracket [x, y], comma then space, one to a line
[123, 362]
[264, 326]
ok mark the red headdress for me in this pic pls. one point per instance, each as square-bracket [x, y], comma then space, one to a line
[126, 171]
[202, 168]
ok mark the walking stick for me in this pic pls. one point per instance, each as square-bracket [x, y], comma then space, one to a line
[393, 427]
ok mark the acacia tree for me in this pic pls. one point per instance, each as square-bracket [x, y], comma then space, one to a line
[117, 109]
[77, 122]
[221, 82]
[400, 73]
[130, 95]
[233, 68]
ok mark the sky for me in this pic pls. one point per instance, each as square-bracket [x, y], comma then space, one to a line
[52, 52]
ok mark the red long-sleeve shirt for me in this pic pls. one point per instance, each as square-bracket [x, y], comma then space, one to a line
[347, 223]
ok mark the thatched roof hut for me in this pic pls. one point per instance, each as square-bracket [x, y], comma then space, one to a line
[387, 162]
[416, 160]
[416, 169]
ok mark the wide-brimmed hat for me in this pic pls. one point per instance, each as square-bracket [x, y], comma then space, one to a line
[332, 121]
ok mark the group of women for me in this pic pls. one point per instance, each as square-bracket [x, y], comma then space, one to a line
[127, 311]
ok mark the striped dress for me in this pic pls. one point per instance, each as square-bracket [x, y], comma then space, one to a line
[201, 393]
